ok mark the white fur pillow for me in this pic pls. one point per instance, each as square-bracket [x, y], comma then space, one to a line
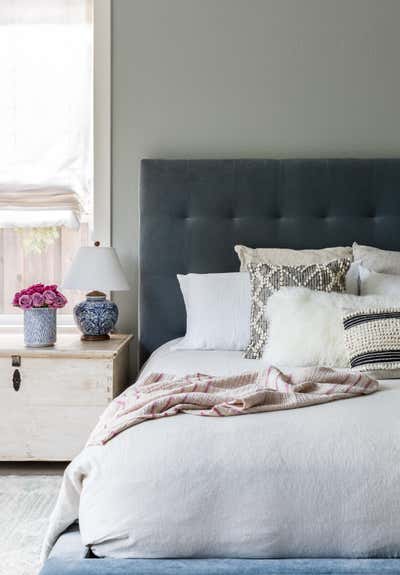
[305, 327]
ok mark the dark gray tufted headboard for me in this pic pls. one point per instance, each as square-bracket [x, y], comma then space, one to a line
[193, 212]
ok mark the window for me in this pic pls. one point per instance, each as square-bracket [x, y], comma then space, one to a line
[54, 174]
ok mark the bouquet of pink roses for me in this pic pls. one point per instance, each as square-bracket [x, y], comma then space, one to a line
[39, 295]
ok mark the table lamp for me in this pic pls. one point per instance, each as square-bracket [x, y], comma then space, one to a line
[97, 270]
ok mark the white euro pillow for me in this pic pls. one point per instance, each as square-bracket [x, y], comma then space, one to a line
[289, 257]
[377, 260]
[374, 283]
[305, 327]
[217, 311]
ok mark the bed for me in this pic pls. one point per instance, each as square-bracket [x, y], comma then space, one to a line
[192, 214]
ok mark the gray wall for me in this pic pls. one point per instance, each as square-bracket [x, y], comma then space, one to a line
[246, 78]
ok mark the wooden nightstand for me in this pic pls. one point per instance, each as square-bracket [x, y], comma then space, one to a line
[51, 398]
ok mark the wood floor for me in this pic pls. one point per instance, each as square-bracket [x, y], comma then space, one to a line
[32, 468]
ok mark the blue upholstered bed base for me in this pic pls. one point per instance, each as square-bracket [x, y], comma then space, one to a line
[68, 557]
[222, 567]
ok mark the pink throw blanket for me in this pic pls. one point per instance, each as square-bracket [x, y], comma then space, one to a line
[163, 395]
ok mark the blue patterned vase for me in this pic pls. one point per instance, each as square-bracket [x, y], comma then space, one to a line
[40, 327]
[96, 316]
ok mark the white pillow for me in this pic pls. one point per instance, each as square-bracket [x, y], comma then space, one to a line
[305, 327]
[381, 261]
[217, 311]
[374, 283]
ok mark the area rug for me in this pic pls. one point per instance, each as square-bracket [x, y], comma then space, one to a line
[25, 505]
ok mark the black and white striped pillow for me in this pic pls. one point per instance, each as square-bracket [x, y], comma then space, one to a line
[372, 338]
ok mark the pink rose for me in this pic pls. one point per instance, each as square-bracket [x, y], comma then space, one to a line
[49, 297]
[59, 301]
[37, 300]
[59, 294]
[16, 298]
[37, 288]
[25, 301]
[51, 287]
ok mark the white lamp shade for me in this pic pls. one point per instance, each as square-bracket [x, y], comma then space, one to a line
[96, 268]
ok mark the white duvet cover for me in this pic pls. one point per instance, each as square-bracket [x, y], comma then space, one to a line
[321, 481]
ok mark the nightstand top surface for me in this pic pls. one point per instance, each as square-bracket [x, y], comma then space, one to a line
[67, 345]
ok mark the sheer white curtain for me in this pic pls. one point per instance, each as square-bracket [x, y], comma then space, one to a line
[46, 56]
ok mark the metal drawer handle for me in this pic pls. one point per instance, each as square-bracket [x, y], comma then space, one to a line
[16, 379]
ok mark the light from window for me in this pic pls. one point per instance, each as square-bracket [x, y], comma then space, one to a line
[46, 148]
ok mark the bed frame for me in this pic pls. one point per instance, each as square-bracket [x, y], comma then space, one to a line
[192, 213]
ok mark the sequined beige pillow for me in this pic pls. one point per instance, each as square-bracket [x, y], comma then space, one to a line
[287, 257]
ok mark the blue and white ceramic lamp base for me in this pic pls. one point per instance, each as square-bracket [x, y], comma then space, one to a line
[96, 316]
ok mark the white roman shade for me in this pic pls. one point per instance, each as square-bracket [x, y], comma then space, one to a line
[46, 49]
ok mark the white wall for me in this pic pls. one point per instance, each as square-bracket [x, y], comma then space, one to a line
[246, 78]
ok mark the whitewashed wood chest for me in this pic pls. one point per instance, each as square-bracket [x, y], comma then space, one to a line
[51, 398]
